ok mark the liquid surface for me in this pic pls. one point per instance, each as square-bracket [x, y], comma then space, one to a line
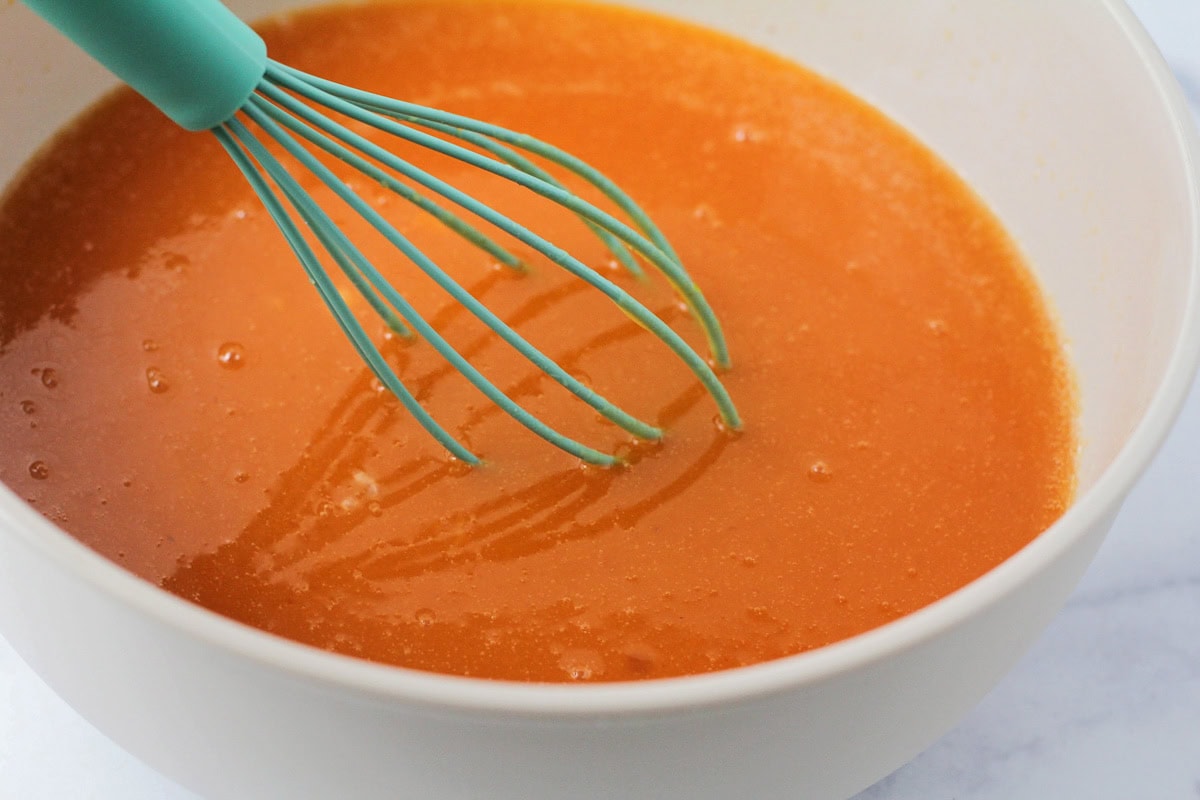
[174, 394]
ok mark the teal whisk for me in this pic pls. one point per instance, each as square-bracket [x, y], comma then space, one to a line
[207, 70]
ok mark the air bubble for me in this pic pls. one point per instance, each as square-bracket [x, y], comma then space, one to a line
[241, 477]
[820, 472]
[231, 355]
[39, 471]
[759, 613]
[581, 665]
[49, 378]
[28, 406]
[425, 617]
[458, 468]
[708, 215]
[375, 508]
[747, 134]
[149, 345]
[156, 380]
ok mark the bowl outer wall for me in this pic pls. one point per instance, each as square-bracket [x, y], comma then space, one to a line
[228, 726]
[233, 712]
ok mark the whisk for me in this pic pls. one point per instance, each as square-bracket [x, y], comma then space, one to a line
[207, 70]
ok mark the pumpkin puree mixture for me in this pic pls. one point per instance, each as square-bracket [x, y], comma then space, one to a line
[174, 393]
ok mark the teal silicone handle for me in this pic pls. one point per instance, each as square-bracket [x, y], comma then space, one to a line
[193, 59]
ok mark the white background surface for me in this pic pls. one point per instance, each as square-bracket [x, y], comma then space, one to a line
[1105, 707]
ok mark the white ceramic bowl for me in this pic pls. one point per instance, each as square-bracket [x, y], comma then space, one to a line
[1066, 121]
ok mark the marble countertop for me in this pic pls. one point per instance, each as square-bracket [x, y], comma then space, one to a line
[1106, 706]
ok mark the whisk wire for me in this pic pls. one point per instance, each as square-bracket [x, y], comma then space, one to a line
[230, 135]
[447, 218]
[547, 365]
[424, 115]
[668, 265]
[357, 267]
[632, 307]
[515, 159]
[273, 110]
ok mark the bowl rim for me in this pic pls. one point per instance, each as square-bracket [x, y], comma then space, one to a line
[462, 694]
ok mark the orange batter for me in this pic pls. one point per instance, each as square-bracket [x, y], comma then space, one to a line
[174, 394]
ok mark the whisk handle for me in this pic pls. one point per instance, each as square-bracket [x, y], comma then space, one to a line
[194, 59]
